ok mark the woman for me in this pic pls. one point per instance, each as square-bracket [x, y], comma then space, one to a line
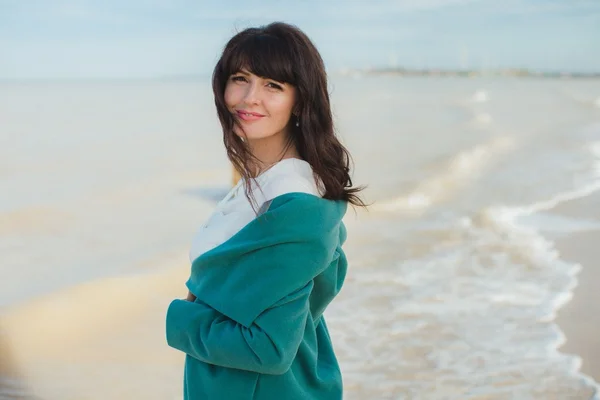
[269, 260]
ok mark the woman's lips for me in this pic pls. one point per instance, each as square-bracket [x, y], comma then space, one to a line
[248, 116]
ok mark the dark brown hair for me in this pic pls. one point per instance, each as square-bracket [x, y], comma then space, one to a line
[282, 52]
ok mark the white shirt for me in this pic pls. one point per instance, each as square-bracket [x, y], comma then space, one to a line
[235, 211]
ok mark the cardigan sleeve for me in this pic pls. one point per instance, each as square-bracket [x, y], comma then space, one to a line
[268, 346]
[275, 255]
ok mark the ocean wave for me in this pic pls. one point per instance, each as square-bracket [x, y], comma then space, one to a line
[480, 96]
[463, 168]
[472, 316]
[592, 186]
[525, 245]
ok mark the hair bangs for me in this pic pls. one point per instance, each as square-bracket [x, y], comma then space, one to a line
[264, 55]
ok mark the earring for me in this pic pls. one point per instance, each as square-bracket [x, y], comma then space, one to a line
[297, 121]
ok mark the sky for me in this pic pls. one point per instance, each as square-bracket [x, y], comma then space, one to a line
[60, 39]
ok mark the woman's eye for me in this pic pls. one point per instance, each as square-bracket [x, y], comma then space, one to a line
[274, 86]
[238, 79]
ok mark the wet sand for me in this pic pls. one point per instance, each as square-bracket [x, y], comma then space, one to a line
[579, 319]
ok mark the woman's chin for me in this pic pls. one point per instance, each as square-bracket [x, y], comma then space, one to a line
[250, 136]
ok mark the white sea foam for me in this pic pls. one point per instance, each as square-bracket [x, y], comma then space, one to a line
[483, 118]
[592, 186]
[481, 304]
[480, 96]
[527, 244]
[476, 310]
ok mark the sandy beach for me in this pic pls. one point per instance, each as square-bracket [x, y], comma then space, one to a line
[93, 339]
[580, 318]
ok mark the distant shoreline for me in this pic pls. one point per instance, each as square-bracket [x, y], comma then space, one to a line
[459, 73]
[403, 72]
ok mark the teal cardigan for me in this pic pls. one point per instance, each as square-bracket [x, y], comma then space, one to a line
[256, 329]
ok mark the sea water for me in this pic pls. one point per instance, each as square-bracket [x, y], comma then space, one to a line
[452, 288]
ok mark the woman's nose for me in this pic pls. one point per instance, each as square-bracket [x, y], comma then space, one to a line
[252, 95]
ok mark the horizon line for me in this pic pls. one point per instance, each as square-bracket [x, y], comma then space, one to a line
[531, 72]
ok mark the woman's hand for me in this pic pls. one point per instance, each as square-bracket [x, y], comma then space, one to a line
[190, 297]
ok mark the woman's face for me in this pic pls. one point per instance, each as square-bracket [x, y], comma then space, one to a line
[262, 106]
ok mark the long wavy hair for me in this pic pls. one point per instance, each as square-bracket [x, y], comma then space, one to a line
[284, 53]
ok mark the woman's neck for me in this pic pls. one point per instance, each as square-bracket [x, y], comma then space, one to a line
[266, 157]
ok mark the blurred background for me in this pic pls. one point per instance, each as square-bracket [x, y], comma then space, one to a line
[474, 123]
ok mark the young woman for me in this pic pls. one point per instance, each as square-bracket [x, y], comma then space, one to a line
[269, 260]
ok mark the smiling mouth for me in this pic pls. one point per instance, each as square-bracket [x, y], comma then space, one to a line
[247, 116]
[249, 113]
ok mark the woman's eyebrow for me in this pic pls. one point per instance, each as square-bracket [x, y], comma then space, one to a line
[248, 73]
